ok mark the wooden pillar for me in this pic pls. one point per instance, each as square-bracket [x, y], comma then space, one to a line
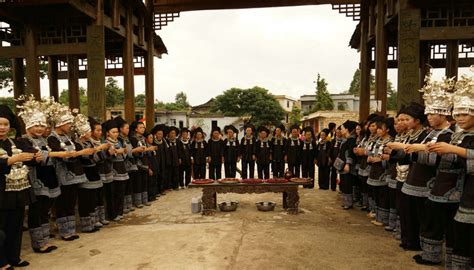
[364, 101]
[425, 55]
[128, 68]
[409, 24]
[18, 77]
[96, 71]
[73, 81]
[149, 71]
[115, 14]
[452, 58]
[381, 62]
[32, 64]
[53, 77]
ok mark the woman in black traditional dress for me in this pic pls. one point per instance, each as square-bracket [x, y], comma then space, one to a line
[263, 153]
[199, 154]
[294, 147]
[231, 151]
[15, 193]
[323, 150]
[278, 151]
[308, 156]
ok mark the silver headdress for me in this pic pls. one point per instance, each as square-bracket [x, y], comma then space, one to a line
[81, 125]
[438, 95]
[31, 112]
[463, 98]
[57, 113]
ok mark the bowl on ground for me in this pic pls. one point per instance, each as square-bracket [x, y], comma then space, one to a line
[265, 206]
[228, 206]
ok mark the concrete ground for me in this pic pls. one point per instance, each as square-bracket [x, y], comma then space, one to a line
[167, 235]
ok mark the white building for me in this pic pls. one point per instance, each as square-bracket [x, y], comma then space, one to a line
[287, 103]
[342, 102]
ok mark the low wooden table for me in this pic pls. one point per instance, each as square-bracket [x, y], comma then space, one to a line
[291, 198]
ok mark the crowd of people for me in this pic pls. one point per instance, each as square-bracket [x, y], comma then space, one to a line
[412, 173]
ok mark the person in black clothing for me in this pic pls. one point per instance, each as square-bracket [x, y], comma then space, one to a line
[294, 147]
[175, 156]
[247, 152]
[323, 150]
[185, 165]
[137, 129]
[231, 151]
[263, 153]
[215, 154]
[308, 155]
[152, 169]
[13, 198]
[199, 154]
[345, 162]
[278, 151]
[162, 157]
[335, 147]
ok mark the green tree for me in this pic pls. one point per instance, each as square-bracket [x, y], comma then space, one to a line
[64, 99]
[140, 100]
[256, 102]
[181, 101]
[114, 95]
[391, 97]
[323, 101]
[354, 88]
[295, 116]
[6, 73]
[9, 101]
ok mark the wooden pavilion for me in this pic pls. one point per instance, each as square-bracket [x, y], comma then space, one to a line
[97, 38]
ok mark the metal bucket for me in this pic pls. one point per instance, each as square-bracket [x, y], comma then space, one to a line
[196, 205]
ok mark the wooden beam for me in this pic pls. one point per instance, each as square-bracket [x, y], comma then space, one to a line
[32, 63]
[62, 75]
[13, 52]
[447, 33]
[53, 77]
[128, 68]
[166, 6]
[425, 63]
[96, 71]
[452, 59]
[73, 81]
[62, 49]
[409, 24]
[149, 75]
[84, 7]
[364, 101]
[18, 70]
[381, 51]
[115, 14]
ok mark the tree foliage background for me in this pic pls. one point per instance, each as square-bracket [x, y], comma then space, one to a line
[323, 101]
[255, 102]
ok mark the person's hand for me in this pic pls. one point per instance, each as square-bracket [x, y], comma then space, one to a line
[103, 146]
[24, 156]
[254, 157]
[88, 151]
[387, 150]
[385, 157]
[441, 148]
[38, 156]
[396, 145]
[412, 148]
[150, 172]
[180, 161]
[346, 168]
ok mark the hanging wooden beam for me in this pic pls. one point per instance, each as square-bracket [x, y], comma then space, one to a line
[96, 71]
[32, 64]
[364, 102]
[53, 77]
[18, 69]
[447, 33]
[425, 63]
[452, 59]
[409, 24]
[73, 81]
[128, 68]
[381, 51]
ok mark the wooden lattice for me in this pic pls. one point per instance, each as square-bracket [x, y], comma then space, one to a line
[112, 63]
[162, 19]
[459, 13]
[350, 10]
[60, 34]
[10, 35]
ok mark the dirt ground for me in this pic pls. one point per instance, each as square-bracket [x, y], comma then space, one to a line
[167, 235]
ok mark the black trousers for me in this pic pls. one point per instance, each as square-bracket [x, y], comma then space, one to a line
[464, 240]
[11, 224]
[251, 169]
[38, 212]
[184, 175]
[263, 170]
[139, 184]
[294, 169]
[439, 221]
[66, 202]
[117, 198]
[381, 196]
[323, 177]
[152, 186]
[199, 171]
[364, 187]
[412, 213]
[215, 171]
[173, 176]
[100, 194]
[87, 201]
[346, 183]
[278, 169]
[109, 199]
[230, 169]
[308, 172]
[333, 178]
[392, 195]
[132, 177]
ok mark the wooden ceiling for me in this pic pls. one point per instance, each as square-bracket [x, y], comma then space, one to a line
[173, 6]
